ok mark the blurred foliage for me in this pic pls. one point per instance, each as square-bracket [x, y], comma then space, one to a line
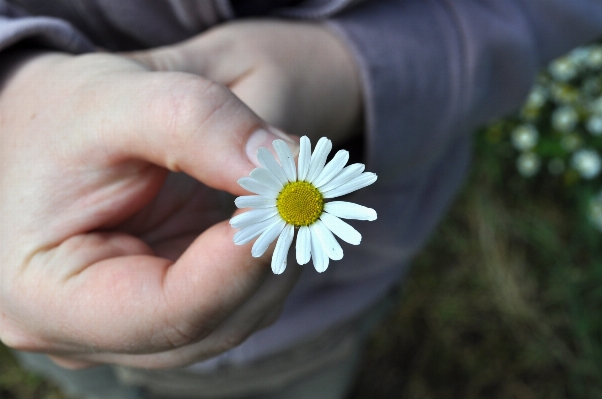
[505, 300]
[18, 384]
[503, 303]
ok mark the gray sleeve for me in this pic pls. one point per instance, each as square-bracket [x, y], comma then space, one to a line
[16, 26]
[433, 70]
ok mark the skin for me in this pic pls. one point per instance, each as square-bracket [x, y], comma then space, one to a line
[297, 76]
[117, 248]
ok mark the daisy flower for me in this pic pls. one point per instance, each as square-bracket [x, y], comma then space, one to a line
[524, 137]
[528, 164]
[594, 59]
[564, 69]
[537, 97]
[564, 118]
[293, 198]
[594, 125]
[587, 162]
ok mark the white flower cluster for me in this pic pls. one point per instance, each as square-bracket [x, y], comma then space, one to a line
[560, 124]
[559, 127]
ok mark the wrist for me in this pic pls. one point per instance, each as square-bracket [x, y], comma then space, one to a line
[346, 72]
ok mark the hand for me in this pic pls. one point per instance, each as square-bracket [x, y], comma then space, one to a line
[298, 76]
[101, 253]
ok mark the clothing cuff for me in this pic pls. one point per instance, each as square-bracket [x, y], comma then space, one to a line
[42, 32]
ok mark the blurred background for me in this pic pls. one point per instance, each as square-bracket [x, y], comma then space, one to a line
[506, 300]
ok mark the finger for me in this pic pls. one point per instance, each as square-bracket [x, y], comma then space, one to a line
[264, 304]
[71, 364]
[125, 301]
[202, 55]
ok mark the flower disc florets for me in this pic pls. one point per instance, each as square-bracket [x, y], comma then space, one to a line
[300, 203]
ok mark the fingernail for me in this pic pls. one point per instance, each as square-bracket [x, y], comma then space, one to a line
[264, 138]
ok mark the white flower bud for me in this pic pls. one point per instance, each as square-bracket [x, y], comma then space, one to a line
[587, 162]
[594, 60]
[528, 164]
[564, 119]
[524, 137]
[594, 125]
[563, 69]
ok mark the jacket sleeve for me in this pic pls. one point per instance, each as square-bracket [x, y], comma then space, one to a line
[17, 27]
[436, 69]
[432, 71]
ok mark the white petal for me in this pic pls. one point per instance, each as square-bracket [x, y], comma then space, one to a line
[247, 234]
[254, 201]
[346, 175]
[266, 238]
[251, 217]
[286, 159]
[331, 247]
[317, 253]
[363, 180]
[304, 157]
[256, 187]
[349, 210]
[332, 168]
[318, 158]
[341, 229]
[266, 178]
[282, 247]
[303, 245]
[267, 160]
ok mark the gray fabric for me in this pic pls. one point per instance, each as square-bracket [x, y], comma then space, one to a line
[432, 71]
[332, 382]
[318, 9]
[95, 383]
[275, 375]
[322, 366]
[133, 24]
[17, 26]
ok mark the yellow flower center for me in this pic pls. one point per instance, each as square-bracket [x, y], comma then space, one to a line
[300, 203]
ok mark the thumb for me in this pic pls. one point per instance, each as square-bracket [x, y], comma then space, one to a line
[203, 55]
[184, 123]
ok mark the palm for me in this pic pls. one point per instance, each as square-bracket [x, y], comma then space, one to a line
[181, 210]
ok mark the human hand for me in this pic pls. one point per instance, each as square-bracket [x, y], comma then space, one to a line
[101, 253]
[298, 76]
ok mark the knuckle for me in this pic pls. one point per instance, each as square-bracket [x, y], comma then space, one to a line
[190, 110]
[189, 105]
[179, 329]
[177, 335]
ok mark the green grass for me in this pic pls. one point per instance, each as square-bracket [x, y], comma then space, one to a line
[504, 302]
[17, 384]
